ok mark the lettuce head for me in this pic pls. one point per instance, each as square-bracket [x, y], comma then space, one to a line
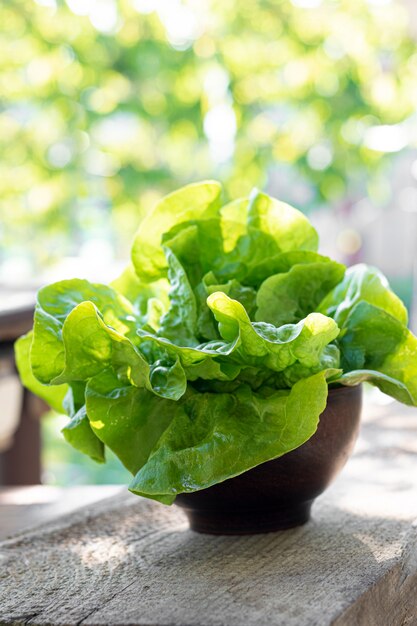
[214, 350]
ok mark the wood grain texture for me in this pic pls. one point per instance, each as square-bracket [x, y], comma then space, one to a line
[130, 561]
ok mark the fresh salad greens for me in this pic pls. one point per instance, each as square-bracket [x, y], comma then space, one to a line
[214, 350]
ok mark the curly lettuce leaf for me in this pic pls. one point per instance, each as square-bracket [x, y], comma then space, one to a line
[75, 341]
[362, 284]
[230, 241]
[213, 437]
[54, 304]
[271, 228]
[53, 395]
[279, 222]
[233, 218]
[205, 361]
[180, 322]
[374, 340]
[392, 387]
[266, 345]
[91, 346]
[329, 360]
[245, 344]
[279, 263]
[289, 296]
[206, 326]
[63, 399]
[193, 202]
[234, 289]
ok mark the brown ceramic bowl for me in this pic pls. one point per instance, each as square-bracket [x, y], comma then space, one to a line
[278, 494]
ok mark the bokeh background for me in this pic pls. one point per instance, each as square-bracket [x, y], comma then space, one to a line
[106, 105]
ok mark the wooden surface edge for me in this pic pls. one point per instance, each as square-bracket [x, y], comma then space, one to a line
[40, 518]
[392, 600]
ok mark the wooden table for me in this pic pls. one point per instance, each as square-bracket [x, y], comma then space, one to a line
[125, 560]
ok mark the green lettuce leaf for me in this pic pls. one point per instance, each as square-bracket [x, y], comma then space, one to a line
[213, 437]
[362, 284]
[230, 241]
[78, 431]
[329, 360]
[82, 340]
[289, 296]
[287, 227]
[206, 326]
[80, 435]
[52, 395]
[179, 323]
[91, 346]
[374, 340]
[271, 228]
[263, 344]
[126, 419]
[54, 304]
[193, 202]
[203, 361]
[392, 387]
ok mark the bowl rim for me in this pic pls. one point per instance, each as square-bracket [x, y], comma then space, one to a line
[345, 388]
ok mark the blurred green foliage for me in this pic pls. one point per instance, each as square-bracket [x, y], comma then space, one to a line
[106, 105]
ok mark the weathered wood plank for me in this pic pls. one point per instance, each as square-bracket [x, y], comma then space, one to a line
[126, 560]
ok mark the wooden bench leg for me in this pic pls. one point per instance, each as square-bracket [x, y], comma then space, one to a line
[21, 464]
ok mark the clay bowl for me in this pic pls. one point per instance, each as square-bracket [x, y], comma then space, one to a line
[278, 494]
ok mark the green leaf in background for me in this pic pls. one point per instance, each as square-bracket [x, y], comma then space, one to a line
[53, 395]
[213, 437]
[362, 283]
[200, 200]
[289, 296]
